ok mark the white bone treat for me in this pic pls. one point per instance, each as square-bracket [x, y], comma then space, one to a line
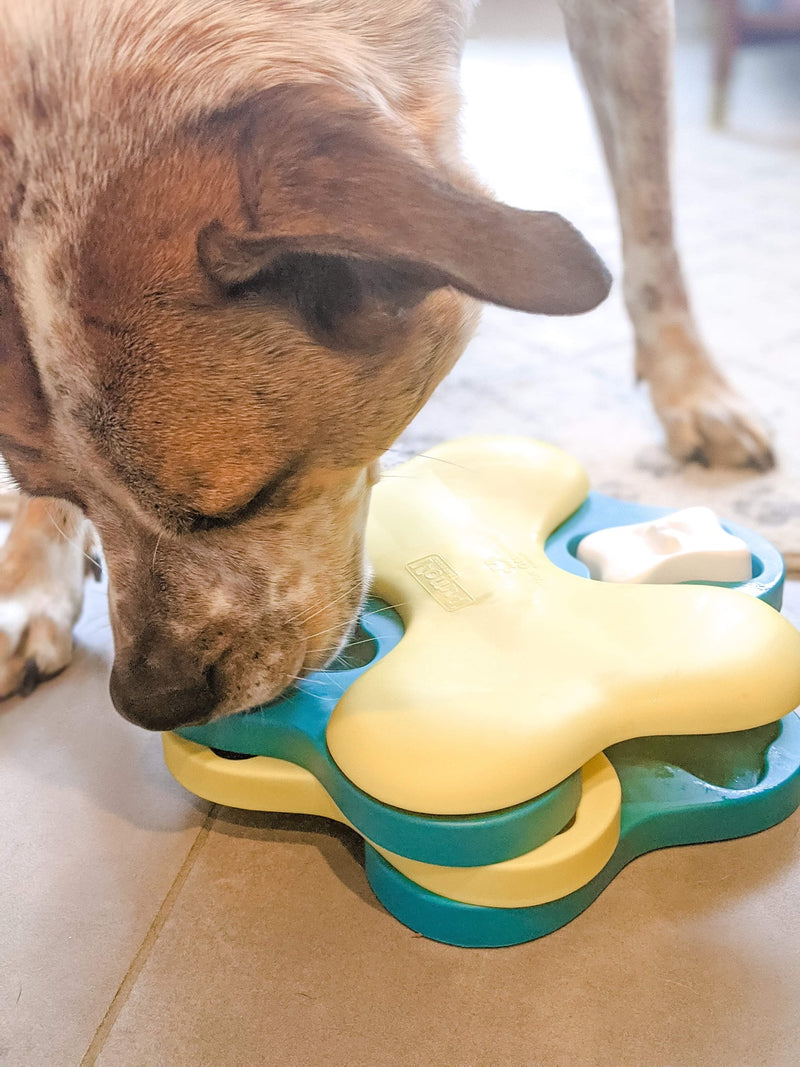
[685, 546]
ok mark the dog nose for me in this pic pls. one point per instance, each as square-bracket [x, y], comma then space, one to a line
[162, 691]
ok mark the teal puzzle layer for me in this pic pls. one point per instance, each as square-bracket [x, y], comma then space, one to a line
[294, 730]
[675, 791]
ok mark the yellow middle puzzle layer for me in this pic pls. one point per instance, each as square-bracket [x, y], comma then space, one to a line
[562, 865]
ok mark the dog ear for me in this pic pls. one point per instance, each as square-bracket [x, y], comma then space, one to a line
[353, 229]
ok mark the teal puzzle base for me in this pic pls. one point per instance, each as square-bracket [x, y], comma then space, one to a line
[675, 791]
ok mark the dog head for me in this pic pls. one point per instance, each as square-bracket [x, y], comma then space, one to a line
[210, 352]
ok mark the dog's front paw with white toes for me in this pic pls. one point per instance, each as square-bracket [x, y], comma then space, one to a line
[705, 420]
[35, 639]
[42, 569]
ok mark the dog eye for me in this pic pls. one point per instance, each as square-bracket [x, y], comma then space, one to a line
[195, 523]
[273, 494]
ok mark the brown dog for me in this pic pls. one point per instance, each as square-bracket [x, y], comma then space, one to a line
[239, 249]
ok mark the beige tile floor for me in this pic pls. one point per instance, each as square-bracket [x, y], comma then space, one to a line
[138, 927]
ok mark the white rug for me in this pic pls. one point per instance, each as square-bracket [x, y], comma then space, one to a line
[570, 381]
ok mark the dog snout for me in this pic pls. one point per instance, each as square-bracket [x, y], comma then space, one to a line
[162, 690]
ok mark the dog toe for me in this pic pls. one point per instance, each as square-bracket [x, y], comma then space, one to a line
[731, 439]
[35, 644]
[30, 678]
[42, 569]
[35, 661]
[711, 425]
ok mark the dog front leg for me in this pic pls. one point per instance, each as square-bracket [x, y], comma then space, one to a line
[42, 568]
[624, 52]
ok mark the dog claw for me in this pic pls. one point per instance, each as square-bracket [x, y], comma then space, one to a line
[30, 678]
[94, 566]
[762, 461]
[699, 456]
[712, 427]
[33, 652]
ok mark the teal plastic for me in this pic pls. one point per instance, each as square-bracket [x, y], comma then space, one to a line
[600, 512]
[294, 729]
[675, 791]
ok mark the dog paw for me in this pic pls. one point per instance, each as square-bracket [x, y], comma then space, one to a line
[35, 637]
[42, 569]
[706, 421]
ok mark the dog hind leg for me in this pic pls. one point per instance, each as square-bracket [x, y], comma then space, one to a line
[624, 52]
[43, 564]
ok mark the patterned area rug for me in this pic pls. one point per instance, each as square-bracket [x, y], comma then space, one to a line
[570, 381]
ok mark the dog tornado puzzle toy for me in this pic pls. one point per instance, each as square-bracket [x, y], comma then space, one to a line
[549, 683]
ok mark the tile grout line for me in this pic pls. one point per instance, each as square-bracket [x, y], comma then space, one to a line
[139, 960]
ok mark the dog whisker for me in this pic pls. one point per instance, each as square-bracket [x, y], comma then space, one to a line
[71, 541]
[321, 633]
[376, 611]
[306, 618]
[155, 550]
[350, 644]
[390, 607]
[306, 678]
[409, 453]
[330, 679]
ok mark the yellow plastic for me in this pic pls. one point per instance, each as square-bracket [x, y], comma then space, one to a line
[262, 783]
[513, 673]
[559, 867]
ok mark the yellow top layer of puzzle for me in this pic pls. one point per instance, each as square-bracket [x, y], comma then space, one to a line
[513, 673]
